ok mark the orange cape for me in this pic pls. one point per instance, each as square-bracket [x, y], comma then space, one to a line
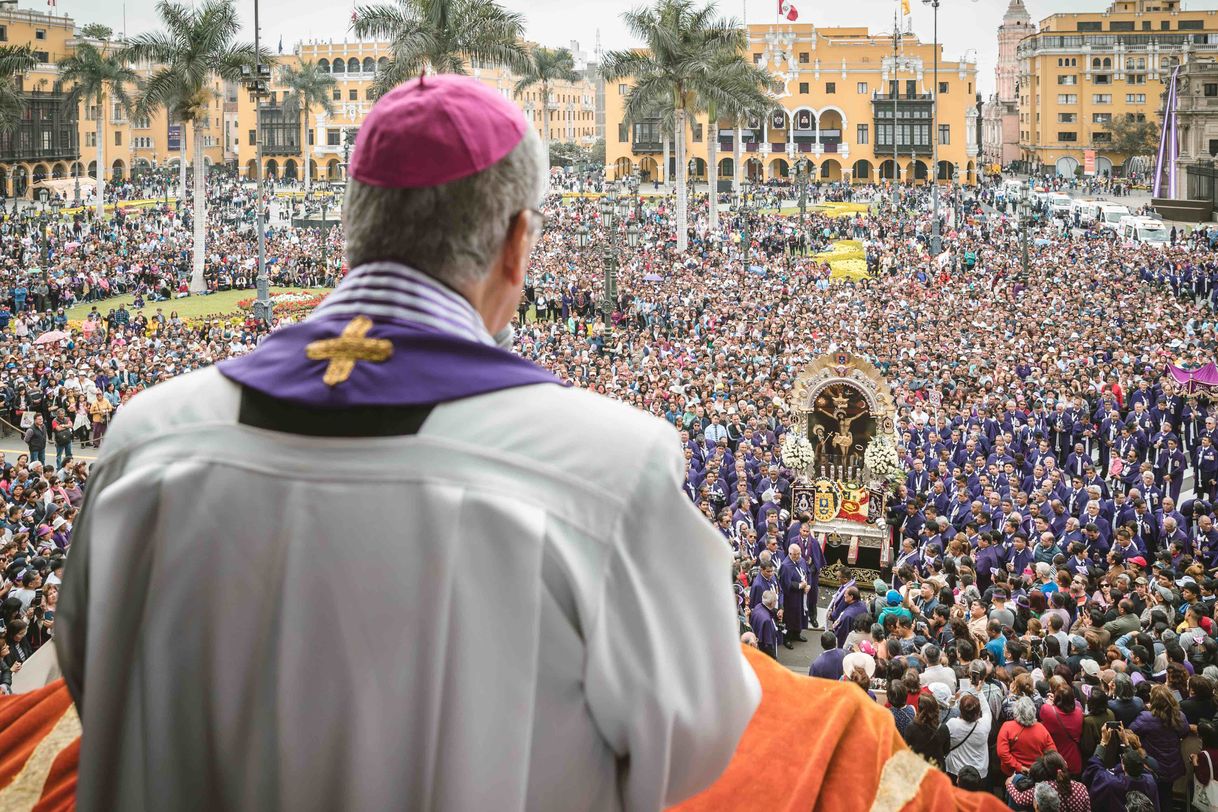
[812, 744]
[824, 745]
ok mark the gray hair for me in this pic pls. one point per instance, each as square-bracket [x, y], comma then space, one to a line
[769, 598]
[1025, 711]
[1123, 686]
[1138, 802]
[1046, 798]
[452, 232]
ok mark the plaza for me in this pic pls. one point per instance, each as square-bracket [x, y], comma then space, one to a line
[781, 405]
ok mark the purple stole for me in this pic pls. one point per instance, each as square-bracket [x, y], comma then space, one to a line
[426, 366]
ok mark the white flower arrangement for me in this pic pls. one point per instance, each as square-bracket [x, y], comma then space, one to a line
[883, 462]
[797, 453]
[291, 297]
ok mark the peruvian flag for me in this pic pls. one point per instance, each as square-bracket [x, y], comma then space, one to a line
[785, 9]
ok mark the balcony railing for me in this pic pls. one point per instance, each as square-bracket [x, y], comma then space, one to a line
[877, 96]
[648, 146]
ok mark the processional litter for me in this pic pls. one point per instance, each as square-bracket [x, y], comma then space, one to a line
[845, 464]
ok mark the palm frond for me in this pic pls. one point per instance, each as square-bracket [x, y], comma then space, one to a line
[379, 22]
[16, 59]
[443, 35]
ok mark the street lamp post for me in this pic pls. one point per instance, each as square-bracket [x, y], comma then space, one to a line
[257, 80]
[325, 231]
[608, 213]
[936, 241]
[43, 220]
[613, 209]
[348, 139]
[801, 183]
[956, 193]
[744, 213]
[1024, 222]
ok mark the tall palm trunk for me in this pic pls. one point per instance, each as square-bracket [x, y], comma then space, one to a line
[737, 154]
[182, 165]
[712, 169]
[304, 148]
[200, 215]
[101, 161]
[682, 175]
[664, 172]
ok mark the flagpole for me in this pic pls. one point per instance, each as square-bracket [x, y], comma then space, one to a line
[896, 91]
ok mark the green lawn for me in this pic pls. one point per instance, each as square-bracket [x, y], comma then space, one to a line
[192, 307]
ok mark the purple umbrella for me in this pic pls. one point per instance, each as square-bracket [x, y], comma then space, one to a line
[653, 277]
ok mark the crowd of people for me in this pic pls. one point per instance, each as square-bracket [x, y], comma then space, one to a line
[1047, 451]
[1054, 542]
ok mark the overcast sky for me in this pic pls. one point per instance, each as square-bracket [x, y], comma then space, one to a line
[963, 24]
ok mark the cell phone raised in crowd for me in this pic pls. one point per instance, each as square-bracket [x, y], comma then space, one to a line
[1113, 725]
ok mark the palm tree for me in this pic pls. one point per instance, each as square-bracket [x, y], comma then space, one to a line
[748, 95]
[308, 86]
[676, 72]
[440, 36]
[547, 65]
[96, 75]
[14, 60]
[196, 49]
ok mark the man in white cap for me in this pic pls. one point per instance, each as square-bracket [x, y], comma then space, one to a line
[515, 643]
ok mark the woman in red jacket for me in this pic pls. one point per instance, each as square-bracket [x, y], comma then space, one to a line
[1023, 739]
[1064, 719]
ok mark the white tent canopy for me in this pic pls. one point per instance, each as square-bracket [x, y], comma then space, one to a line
[67, 186]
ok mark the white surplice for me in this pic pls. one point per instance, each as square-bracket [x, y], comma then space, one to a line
[517, 608]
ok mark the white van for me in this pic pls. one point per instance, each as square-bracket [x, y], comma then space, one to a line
[1060, 204]
[1010, 189]
[1087, 210]
[1110, 214]
[1144, 231]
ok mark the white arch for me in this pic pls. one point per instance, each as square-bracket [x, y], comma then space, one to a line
[792, 113]
[836, 109]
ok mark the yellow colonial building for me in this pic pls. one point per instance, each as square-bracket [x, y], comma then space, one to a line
[138, 144]
[53, 141]
[840, 91]
[1081, 72]
[353, 64]
[45, 142]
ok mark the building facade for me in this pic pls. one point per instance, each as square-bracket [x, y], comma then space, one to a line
[840, 91]
[1081, 72]
[1000, 114]
[571, 115]
[1197, 124]
[45, 142]
[54, 141]
[137, 144]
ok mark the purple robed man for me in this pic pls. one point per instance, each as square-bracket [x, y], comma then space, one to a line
[814, 557]
[844, 612]
[793, 580]
[763, 620]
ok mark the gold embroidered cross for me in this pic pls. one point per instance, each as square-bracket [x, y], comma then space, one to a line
[351, 346]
